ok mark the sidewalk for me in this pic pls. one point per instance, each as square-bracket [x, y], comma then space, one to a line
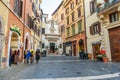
[10, 73]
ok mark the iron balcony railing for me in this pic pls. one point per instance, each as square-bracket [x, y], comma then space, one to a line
[107, 5]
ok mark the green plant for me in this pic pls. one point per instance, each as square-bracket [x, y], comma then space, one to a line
[104, 55]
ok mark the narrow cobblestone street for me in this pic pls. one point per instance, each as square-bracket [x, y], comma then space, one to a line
[61, 68]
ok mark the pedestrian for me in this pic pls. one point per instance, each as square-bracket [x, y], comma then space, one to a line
[37, 55]
[28, 55]
[25, 53]
[32, 56]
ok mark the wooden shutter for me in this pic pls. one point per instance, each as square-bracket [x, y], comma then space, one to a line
[20, 8]
[91, 30]
[99, 27]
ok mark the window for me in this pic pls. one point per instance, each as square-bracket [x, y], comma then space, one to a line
[93, 6]
[95, 28]
[62, 29]
[18, 6]
[62, 16]
[67, 10]
[43, 45]
[79, 26]
[79, 12]
[67, 20]
[68, 32]
[72, 16]
[78, 1]
[38, 32]
[73, 29]
[72, 5]
[114, 17]
[43, 30]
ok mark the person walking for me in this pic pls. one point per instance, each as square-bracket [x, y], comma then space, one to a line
[28, 55]
[32, 56]
[37, 55]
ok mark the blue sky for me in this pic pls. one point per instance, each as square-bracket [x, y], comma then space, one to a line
[49, 6]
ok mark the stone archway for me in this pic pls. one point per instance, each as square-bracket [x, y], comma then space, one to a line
[13, 41]
[27, 41]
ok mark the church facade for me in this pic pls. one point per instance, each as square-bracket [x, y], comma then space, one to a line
[52, 41]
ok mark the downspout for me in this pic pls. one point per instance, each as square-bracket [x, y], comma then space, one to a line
[85, 25]
[24, 26]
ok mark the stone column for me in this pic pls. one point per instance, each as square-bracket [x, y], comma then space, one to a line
[8, 55]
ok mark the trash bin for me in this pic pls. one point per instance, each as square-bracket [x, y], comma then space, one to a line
[44, 53]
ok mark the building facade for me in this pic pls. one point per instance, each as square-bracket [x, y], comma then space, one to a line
[109, 17]
[52, 38]
[44, 25]
[3, 28]
[59, 16]
[22, 23]
[75, 27]
[93, 28]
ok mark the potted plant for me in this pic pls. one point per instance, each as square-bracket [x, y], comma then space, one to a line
[99, 57]
[105, 58]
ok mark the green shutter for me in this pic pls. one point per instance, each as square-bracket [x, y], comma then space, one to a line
[68, 32]
[73, 29]
[79, 26]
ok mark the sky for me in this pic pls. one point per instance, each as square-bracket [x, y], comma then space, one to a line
[49, 6]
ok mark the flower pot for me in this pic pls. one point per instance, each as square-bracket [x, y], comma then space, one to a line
[105, 59]
[90, 56]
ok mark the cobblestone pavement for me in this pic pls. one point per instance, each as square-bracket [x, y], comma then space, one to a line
[59, 67]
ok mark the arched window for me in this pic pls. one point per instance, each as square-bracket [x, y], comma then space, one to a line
[0, 26]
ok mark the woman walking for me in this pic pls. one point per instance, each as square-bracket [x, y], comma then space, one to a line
[37, 56]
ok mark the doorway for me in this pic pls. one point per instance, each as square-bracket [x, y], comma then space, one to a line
[74, 48]
[52, 47]
[96, 50]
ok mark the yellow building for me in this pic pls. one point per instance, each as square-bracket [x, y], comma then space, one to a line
[3, 27]
[74, 25]
[109, 17]
[59, 16]
[35, 32]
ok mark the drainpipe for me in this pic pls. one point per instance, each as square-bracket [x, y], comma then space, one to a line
[85, 25]
[24, 27]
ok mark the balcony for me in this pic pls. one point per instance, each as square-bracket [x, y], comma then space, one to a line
[107, 5]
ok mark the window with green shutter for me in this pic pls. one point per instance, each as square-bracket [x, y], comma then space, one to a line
[79, 26]
[73, 29]
[68, 32]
